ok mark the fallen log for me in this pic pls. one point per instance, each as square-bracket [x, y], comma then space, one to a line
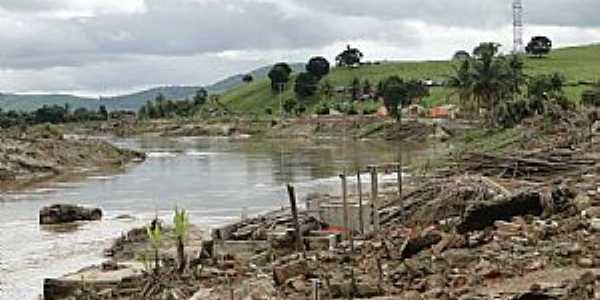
[481, 215]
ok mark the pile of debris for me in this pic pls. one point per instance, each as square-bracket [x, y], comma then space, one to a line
[533, 166]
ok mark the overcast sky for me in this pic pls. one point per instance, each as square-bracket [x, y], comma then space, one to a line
[103, 47]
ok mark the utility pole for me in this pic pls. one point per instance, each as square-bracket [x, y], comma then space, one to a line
[517, 26]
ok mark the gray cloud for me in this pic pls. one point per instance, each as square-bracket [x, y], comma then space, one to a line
[99, 45]
[175, 28]
[467, 13]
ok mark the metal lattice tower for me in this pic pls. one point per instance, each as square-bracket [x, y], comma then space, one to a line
[518, 26]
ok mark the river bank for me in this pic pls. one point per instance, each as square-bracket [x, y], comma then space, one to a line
[513, 216]
[213, 178]
[42, 152]
[310, 127]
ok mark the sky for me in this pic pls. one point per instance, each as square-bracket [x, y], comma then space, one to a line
[107, 47]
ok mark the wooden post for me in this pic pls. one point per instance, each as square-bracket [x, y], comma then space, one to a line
[315, 289]
[379, 275]
[374, 196]
[345, 212]
[400, 185]
[361, 220]
[298, 236]
[352, 285]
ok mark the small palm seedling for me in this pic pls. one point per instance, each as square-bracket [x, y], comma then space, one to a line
[154, 235]
[181, 221]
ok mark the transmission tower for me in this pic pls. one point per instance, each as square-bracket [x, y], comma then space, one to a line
[518, 26]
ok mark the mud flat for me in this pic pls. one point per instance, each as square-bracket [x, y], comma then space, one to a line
[43, 152]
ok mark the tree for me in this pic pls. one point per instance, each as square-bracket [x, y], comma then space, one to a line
[318, 66]
[326, 90]
[200, 97]
[103, 112]
[539, 46]
[591, 97]
[395, 93]
[349, 57]
[546, 86]
[416, 90]
[50, 114]
[181, 222]
[486, 50]
[248, 78]
[355, 89]
[461, 81]
[461, 55]
[279, 75]
[306, 85]
[367, 88]
[491, 77]
[289, 105]
[488, 78]
[516, 75]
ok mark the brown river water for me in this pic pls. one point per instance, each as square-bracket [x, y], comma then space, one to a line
[215, 179]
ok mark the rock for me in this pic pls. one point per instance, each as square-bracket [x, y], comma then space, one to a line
[595, 224]
[534, 296]
[66, 213]
[582, 202]
[109, 266]
[125, 217]
[411, 295]
[417, 244]
[286, 271]
[585, 262]
[593, 212]
[507, 229]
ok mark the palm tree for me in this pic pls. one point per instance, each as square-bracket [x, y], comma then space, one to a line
[462, 83]
[154, 235]
[488, 78]
[181, 221]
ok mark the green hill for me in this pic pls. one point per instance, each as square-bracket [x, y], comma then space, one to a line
[576, 63]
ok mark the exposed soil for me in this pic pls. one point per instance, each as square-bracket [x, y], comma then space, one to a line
[43, 152]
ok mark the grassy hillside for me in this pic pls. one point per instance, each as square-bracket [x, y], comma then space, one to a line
[577, 64]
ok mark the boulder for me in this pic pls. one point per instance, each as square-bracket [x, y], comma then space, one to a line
[66, 213]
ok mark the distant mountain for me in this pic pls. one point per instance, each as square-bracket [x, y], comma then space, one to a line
[28, 102]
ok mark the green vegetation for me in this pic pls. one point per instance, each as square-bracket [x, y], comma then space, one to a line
[162, 108]
[539, 46]
[591, 97]
[349, 57]
[182, 225]
[56, 115]
[154, 235]
[577, 64]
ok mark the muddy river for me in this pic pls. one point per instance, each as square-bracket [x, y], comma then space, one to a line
[215, 179]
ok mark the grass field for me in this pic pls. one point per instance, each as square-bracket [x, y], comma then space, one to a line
[576, 63]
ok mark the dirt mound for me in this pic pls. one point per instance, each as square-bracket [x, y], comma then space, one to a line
[44, 152]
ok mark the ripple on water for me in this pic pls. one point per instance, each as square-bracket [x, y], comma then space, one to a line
[161, 155]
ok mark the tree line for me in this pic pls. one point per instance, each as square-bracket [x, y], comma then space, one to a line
[54, 114]
[160, 107]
